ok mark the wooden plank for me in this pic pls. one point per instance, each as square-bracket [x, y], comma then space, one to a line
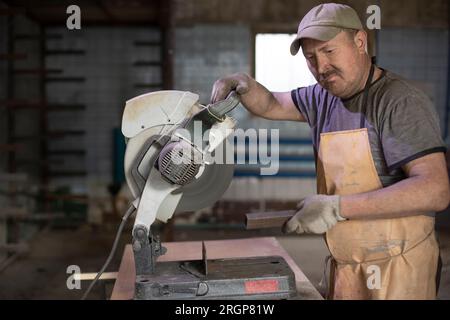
[273, 219]
[91, 276]
[216, 249]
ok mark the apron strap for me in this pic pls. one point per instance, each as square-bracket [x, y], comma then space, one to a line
[366, 95]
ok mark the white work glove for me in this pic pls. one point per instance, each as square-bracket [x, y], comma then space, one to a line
[316, 214]
[240, 82]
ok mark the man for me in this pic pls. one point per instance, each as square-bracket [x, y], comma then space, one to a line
[380, 163]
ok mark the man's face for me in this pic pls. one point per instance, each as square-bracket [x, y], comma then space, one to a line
[336, 64]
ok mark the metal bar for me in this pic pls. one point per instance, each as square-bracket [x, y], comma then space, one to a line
[79, 152]
[65, 79]
[147, 43]
[147, 64]
[261, 220]
[52, 135]
[64, 52]
[66, 107]
[36, 36]
[67, 173]
[37, 71]
[23, 104]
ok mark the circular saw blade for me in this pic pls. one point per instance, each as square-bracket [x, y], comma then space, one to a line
[208, 188]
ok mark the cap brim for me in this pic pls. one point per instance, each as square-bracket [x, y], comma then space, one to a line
[321, 33]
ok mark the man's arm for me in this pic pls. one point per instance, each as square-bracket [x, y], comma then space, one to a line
[426, 189]
[256, 98]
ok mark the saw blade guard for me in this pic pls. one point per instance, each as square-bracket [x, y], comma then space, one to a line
[152, 123]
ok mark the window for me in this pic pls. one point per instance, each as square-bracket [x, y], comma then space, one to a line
[275, 67]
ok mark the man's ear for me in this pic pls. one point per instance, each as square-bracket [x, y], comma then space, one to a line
[360, 39]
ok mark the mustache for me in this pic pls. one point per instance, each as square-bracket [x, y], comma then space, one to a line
[328, 73]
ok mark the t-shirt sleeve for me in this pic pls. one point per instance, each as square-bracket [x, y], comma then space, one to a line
[306, 102]
[410, 130]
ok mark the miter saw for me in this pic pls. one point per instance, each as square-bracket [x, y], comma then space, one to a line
[177, 159]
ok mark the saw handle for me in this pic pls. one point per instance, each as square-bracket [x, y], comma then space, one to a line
[221, 108]
[272, 219]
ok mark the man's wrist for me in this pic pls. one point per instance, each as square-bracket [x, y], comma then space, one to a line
[339, 214]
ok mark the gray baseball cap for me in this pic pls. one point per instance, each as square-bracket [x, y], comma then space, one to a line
[324, 22]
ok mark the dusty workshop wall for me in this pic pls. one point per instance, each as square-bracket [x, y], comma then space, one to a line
[110, 79]
[395, 13]
[204, 53]
[21, 84]
[284, 12]
[26, 87]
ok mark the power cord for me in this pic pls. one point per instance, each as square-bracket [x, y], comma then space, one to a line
[112, 252]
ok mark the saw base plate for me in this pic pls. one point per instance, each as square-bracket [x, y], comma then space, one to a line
[240, 278]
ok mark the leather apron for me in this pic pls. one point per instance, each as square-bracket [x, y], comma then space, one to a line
[372, 259]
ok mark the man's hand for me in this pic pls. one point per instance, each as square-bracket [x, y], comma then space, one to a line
[240, 82]
[256, 98]
[316, 214]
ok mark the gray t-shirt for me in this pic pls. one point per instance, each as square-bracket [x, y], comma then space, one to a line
[401, 120]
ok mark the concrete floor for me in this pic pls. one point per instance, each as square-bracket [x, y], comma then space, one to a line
[41, 274]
